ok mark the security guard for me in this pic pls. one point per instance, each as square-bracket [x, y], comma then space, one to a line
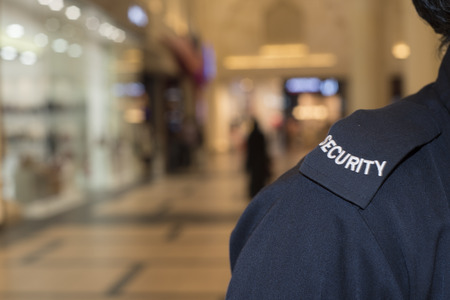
[366, 215]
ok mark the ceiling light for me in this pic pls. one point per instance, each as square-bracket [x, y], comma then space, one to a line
[137, 15]
[9, 53]
[60, 45]
[41, 40]
[28, 58]
[73, 12]
[329, 87]
[106, 29]
[56, 5]
[401, 50]
[92, 23]
[44, 2]
[322, 60]
[121, 36]
[15, 31]
[284, 50]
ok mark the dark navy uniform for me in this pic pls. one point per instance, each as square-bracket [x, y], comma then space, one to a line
[366, 215]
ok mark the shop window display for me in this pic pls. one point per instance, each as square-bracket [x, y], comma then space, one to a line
[312, 105]
[59, 110]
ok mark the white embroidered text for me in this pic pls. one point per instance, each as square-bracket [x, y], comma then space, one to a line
[349, 161]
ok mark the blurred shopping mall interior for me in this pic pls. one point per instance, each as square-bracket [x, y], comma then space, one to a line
[124, 126]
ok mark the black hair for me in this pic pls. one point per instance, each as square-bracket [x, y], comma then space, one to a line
[437, 14]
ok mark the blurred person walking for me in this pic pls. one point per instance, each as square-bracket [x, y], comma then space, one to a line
[257, 162]
[366, 214]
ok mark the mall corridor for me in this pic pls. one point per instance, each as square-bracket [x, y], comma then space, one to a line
[167, 239]
[104, 105]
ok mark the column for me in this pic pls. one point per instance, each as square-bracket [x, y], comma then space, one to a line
[367, 85]
[97, 109]
[218, 118]
[422, 65]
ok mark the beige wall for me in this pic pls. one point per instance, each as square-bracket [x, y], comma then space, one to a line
[360, 33]
[421, 67]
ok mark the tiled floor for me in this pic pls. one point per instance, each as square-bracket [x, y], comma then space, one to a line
[165, 240]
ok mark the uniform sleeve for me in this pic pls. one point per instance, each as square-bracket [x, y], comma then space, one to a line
[254, 214]
[299, 241]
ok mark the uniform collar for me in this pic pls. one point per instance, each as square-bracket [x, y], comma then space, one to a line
[363, 149]
[442, 84]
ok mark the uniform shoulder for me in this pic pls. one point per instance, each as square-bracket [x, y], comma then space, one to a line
[259, 207]
[291, 193]
[361, 150]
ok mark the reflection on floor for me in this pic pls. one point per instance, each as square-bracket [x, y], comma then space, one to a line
[164, 240]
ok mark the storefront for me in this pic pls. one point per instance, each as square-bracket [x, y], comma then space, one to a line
[312, 105]
[294, 113]
[70, 95]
